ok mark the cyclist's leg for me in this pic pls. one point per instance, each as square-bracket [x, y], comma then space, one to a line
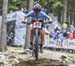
[31, 38]
[42, 33]
[42, 36]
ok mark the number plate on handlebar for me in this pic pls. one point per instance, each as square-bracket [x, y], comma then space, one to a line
[37, 24]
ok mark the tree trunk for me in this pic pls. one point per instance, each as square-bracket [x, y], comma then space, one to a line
[3, 38]
[65, 10]
[27, 40]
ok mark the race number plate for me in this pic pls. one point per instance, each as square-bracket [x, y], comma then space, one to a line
[37, 24]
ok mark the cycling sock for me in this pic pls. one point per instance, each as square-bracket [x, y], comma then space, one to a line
[41, 48]
[31, 43]
[41, 45]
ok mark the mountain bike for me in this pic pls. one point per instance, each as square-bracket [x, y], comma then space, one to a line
[37, 27]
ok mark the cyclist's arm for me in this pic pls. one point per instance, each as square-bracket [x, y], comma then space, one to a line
[49, 18]
[28, 15]
[46, 16]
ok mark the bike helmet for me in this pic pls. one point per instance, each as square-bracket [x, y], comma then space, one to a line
[37, 8]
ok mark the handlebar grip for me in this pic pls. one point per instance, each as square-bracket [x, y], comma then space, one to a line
[28, 23]
[23, 22]
[50, 22]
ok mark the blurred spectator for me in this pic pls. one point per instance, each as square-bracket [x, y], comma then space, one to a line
[60, 36]
[57, 29]
[71, 28]
[57, 33]
[24, 10]
[74, 34]
[10, 39]
[65, 33]
[52, 35]
[71, 35]
[64, 26]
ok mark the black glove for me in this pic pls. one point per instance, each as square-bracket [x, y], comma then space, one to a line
[23, 22]
[50, 22]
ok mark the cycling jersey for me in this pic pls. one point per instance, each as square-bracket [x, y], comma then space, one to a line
[41, 15]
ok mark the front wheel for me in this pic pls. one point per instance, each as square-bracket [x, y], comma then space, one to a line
[36, 48]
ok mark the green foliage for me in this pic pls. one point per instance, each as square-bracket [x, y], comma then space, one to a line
[16, 4]
[13, 8]
[43, 2]
[1, 7]
[57, 4]
[0, 4]
[54, 4]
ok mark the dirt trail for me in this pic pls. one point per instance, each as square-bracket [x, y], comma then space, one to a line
[13, 56]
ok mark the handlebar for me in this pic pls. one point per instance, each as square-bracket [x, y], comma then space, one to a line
[50, 22]
[28, 23]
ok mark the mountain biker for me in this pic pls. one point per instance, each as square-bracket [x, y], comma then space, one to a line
[37, 13]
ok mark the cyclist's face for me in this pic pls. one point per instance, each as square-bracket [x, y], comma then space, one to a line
[37, 13]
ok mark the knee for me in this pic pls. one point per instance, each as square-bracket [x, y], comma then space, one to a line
[42, 33]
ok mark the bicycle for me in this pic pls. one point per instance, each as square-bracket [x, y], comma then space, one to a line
[37, 27]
